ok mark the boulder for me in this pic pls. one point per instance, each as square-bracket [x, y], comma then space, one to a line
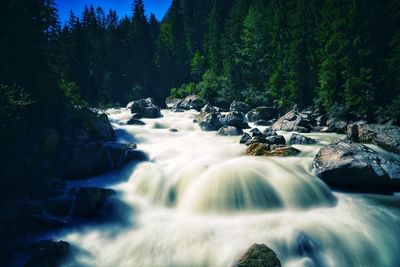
[239, 106]
[229, 131]
[134, 121]
[192, 102]
[208, 109]
[276, 140]
[89, 200]
[336, 126]
[256, 140]
[173, 103]
[258, 255]
[256, 132]
[353, 167]
[298, 139]
[265, 149]
[146, 108]
[262, 113]
[263, 123]
[234, 118]
[269, 132]
[136, 116]
[293, 121]
[385, 136]
[209, 121]
[245, 138]
[48, 253]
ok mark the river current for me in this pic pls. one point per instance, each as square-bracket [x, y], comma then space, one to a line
[200, 201]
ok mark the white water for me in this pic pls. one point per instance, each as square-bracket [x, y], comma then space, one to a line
[201, 202]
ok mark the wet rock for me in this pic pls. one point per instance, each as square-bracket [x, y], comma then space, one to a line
[173, 103]
[321, 120]
[256, 140]
[89, 200]
[133, 121]
[258, 255]
[262, 113]
[265, 149]
[192, 102]
[48, 253]
[173, 130]
[245, 138]
[262, 123]
[209, 121]
[256, 132]
[136, 116]
[239, 106]
[59, 206]
[234, 118]
[208, 109]
[146, 108]
[276, 140]
[301, 140]
[229, 131]
[293, 121]
[353, 167]
[385, 136]
[269, 132]
[120, 154]
[336, 126]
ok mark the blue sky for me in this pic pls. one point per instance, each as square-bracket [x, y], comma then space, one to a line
[123, 7]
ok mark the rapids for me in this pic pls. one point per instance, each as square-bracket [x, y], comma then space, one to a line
[200, 201]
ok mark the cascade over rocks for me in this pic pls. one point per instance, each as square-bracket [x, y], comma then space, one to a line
[239, 106]
[353, 167]
[293, 121]
[262, 113]
[258, 255]
[385, 136]
[301, 140]
[146, 108]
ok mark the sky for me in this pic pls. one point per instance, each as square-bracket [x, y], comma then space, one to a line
[123, 7]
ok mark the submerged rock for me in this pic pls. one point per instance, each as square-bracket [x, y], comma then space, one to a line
[293, 121]
[301, 140]
[48, 253]
[245, 138]
[258, 255]
[264, 149]
[146, 108]
[263, 123]
[229, 131]
[134, 121]
[353, 167]
[385, 136]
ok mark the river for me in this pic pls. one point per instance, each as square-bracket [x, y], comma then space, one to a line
[200, 201]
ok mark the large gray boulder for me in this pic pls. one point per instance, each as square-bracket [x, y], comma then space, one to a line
[209, 121]
[293, 121]
[262, 113]
[239, 106]
[258, 255]
[234, 118]
[192, 102]
[385, 136]
[353, 167]
[298, 139]
[146, 108]
[229, 131]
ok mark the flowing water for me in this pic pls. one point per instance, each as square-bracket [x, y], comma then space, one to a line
[200, 201]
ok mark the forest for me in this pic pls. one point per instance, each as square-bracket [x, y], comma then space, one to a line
[323, 68]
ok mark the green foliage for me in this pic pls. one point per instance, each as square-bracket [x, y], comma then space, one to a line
[198, 66]
[184, 90]
[71, 93]
[211, 86]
